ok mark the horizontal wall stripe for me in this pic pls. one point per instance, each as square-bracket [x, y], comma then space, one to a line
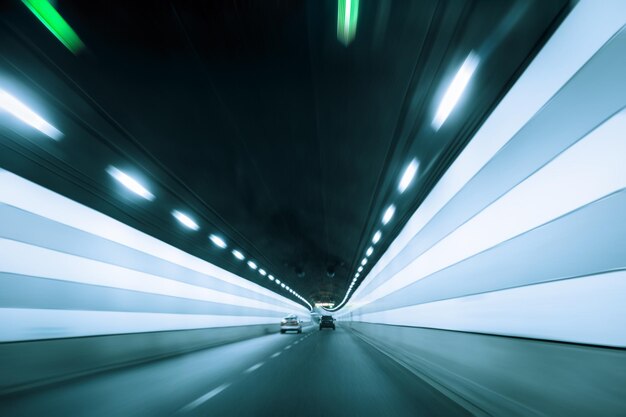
[19, 225]
[582, 310]
[19, 291]
[17, 258]
[23, 194]
[587, 171]
[36, 324]
[551, 252]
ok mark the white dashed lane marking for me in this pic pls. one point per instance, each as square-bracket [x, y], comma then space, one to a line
[275, 355]
[254, 367]
[204, 398]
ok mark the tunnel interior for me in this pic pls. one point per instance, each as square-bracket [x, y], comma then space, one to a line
[253, 118]
[181, 182]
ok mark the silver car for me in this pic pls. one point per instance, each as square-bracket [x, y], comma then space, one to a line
[291, 322]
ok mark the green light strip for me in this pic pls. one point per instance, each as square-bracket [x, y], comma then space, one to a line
[47, 14]
[347, 15]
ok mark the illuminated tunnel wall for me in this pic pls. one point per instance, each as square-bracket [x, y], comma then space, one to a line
[523, 237]
[81, 291]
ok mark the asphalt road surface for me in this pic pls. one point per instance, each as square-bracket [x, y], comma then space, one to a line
[317, 373]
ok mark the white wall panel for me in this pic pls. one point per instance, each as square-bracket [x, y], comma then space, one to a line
[189, 284]
[565, 121]
[21, 324]
[580, 310]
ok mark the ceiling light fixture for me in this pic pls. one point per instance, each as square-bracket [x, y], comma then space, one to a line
[252, 265]
[377, 237]
[262, 272]
[185, 220]
[407, 177]
[455, 90]
[360, 269]
[238, 255]
[54, 22]
[391, 210]
[20, 111]
[218, 241]
[369, 251]
[347, 16]
[363, 261]
[271, 277]
[130, 183]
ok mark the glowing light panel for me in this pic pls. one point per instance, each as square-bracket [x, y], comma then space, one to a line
[455, 90]
[51, 19]
[185, 220]
[130, 183]
[391, 210]
[347, 16]
[20, 111]
[409, 174]
[218, 241]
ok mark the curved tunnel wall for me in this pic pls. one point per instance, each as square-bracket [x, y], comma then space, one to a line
[506, 286]
[81, 291]
[524, 235]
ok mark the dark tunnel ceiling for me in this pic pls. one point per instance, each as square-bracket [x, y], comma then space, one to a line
[254, 118]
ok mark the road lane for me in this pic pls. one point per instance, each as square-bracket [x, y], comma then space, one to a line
[329, 373]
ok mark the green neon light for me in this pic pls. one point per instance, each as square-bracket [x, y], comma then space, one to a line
[47, 14]
[347, 15]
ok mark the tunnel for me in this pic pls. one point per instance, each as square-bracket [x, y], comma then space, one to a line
[313, 208]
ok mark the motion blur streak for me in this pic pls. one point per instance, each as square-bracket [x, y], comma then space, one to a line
[19, 110]
[347, 17]
[455, 90]
[47, 14]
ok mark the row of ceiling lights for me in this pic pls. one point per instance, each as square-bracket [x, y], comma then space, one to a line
[447, 104]
[22, 112]
[19, 110]
[406, 180]
[188, 222]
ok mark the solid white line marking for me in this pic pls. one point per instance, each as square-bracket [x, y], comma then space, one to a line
[204, 398]
[275, 354]
[254, 367]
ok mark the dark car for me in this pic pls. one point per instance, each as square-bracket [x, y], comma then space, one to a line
[328, 322]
